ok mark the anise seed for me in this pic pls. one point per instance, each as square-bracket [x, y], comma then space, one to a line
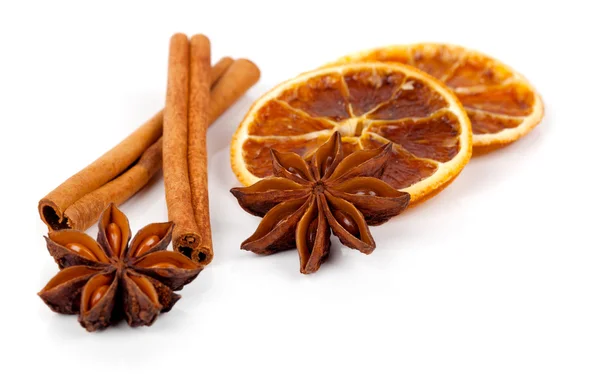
[326, 164]
[97, 295]
[114, 236]
[82, 250]
[365, 192]
[164, 265]
[347, 222]
[295, 172]
[146, 245]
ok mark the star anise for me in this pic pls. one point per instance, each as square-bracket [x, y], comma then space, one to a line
[110, 279]
[307, 197]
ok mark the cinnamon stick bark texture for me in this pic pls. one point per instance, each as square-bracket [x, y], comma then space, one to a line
[189, 110]
[199, 104]
[219, 68]
[53, 206]
[178, 193]
[238, 78]
[86, 211]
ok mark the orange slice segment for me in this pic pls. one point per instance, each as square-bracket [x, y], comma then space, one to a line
[502, 104]
[370, 104]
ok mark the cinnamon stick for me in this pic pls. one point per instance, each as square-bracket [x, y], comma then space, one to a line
[198, 124]
[54, 208]
[111, 164]
[187, 115]
[219, 68]
[175, 147]
[89, 190]
[238, 78]
[86, 211]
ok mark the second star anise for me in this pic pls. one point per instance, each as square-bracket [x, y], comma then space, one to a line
[307, 199]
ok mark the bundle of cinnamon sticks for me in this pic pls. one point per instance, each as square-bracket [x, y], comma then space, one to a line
[174, 139]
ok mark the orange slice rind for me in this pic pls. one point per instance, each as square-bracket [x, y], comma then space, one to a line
[370, 104]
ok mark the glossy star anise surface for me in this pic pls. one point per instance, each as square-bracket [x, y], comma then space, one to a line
[306, 199]
[112, 279]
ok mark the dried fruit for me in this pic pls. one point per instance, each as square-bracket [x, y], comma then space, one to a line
[110, 279]
[307, 198]
[502, 105]
[369, 104]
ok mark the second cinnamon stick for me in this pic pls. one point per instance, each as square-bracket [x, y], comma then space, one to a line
[175, 136]
[199, 105]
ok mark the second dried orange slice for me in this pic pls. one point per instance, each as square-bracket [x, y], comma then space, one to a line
[370, 104]
[502, 105]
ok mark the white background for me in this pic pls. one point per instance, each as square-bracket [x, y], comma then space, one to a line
[494, 282]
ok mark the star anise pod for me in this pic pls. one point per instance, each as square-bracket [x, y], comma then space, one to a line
[306, 198]
[110, 279]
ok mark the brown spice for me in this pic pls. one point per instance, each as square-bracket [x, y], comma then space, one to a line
[197, 153]
[238, 78]
[175, 148]
[219, 69]
[184, 151]
[111, 164]
[77, 203]
[307, 199]
[113, 279]
[85, 211]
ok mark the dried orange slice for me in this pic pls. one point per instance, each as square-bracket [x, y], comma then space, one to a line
[370, 104]
[501, 103]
